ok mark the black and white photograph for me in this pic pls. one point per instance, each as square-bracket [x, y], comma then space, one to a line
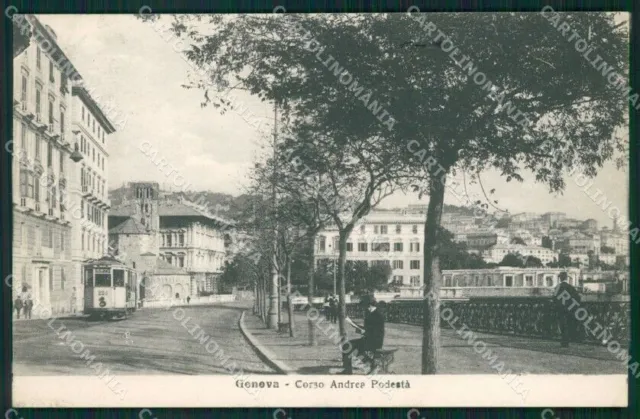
[321, 208]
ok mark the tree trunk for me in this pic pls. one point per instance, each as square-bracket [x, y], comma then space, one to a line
[255, 298]
[312, 266]
[342, 260]
[432, 277]
[279, 298]
[289, 306]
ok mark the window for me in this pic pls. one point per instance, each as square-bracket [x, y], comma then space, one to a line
[23, 183]
[62, 278]
[23, 137]
[61, 162]
[181, 261]
[82, 240]
[118, 278]
[322, 244]
[98, 131]
[39, 58]
[38, 100]
[379, 247]
[528, 280]
[23, 91]
[83, 114]
[49, 154]
[397, 247]
[93, 153]
[398, 264]
[383, 229]
[414, 264]
[549, 281]
[414, 247]
[398, 279]
[30, 187]
[362, 228]
[414, 229]
[362, 247]
[51, 279]
[88, 119]
[349, 247]
[169, 240]
[94, 126]
[398, 229]
[103, 279]
[62, 122]
[169, 259]
[51, 77]
[50, 111]
[508, 281]
[376, 229]
[414, 280]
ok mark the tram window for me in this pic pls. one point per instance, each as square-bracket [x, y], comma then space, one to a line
[88, 278]
[118, 278]
[103, 279]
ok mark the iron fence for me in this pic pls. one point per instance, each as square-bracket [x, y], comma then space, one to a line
[535, 318]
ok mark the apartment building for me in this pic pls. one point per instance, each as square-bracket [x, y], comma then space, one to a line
[44, 172]
[482, 239]
[92, 131]
[394, 238]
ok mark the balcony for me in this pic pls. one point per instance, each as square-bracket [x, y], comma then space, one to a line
[37, 207]
[26, 204]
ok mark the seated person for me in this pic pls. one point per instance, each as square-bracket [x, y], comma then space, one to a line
[373, 334]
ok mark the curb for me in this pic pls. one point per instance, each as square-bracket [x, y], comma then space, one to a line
[265, 354]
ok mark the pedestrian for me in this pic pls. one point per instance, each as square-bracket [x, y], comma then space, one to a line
[74, 302]
[28, 302]
[566, 317]
[326, 308]
[373, 334]
[333, 309]
[18, 306]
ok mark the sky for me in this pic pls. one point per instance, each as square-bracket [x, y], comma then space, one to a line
[129, 64]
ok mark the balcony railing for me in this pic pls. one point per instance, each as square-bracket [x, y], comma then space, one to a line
[533, 317]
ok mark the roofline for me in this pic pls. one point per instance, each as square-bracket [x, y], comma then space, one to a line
[43, 30]
[83, 94]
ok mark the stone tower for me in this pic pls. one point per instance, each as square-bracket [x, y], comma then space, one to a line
[144, 197]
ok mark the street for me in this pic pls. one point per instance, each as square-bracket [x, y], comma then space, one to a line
[152, 341]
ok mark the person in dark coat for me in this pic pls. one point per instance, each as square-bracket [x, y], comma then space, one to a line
[333, 309]
[373, 334]
[566, 316]
[17, 304]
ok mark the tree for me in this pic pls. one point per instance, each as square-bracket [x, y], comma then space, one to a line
[607, 250]
[378, 277]
[546, 111]
[547, 242]
[533, 262]
[518, 240]
[515, 260]
[454, 255]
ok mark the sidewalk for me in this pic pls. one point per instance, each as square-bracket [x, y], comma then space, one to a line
[521, 355]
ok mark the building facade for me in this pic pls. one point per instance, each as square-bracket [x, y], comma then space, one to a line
[496, 253]
[394, 238]
[152, 231]
[44, 173]
[92, 132]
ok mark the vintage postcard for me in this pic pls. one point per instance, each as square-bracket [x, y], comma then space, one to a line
[288, 210]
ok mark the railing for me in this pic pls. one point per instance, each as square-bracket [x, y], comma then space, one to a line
[534, 318]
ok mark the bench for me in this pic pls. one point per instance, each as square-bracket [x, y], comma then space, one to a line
[283, 327]
[382, 358]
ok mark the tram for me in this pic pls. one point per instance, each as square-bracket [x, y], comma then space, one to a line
[110, 288]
